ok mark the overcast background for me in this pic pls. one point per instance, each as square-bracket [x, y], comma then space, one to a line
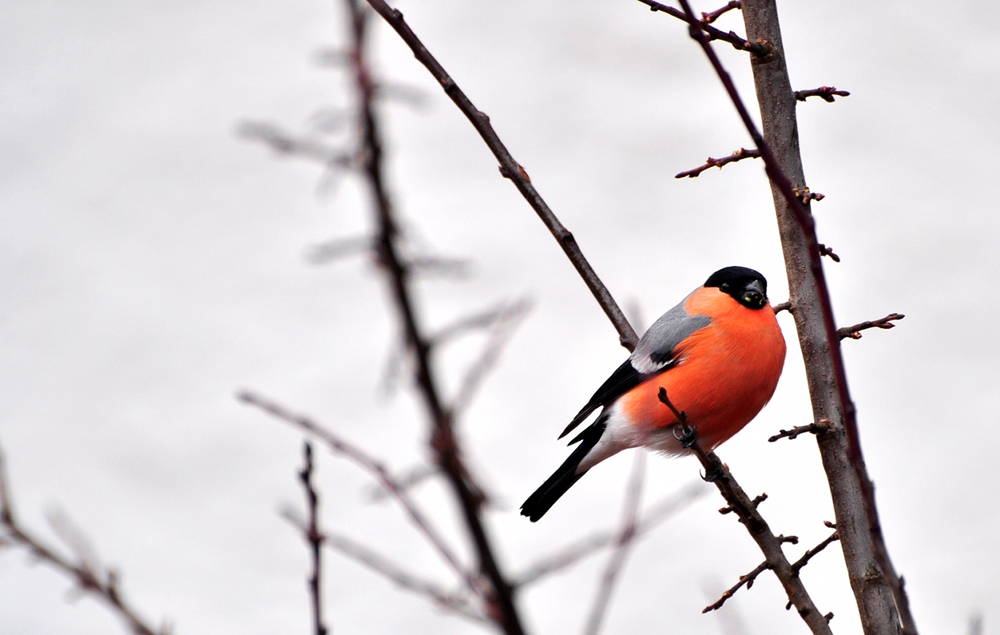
[153, 263]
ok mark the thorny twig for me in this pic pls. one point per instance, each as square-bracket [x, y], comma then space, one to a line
[854, 332]
[746, 509]
[710, 163]
[826, 93]
[512, 170]
[86, 572]
[626, 537]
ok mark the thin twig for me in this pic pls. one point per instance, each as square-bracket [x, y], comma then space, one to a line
[746, 509]
[626, 537]
[710, 163]
[579, 549]
[747, 580]
[708, 18]
[512, 170]
[823, 425]
[826, 93]
[807, 556]
[784, 306]
[710, 31]
[854, 332]
[502, 330]
[86, 573]
[374, 468]
[315, 539]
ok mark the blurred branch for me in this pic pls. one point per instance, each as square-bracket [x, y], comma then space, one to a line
[378, 563]
[498, 597]
[406, 480]
[854, 332]
[502, 328]
[284, 143]
[630, 517]
[374, 468]
[746, 509]
[512, 170]
[572, 553]
[87, 573]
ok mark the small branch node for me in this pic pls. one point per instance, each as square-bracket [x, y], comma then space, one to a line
[827, 251]
[758, 500]
[784, 306]
[789, 539]
[728, 509]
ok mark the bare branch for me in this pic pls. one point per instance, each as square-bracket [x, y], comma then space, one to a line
[807, 556]
[854, 332]
[314, 538]
[512, 170]
[827, 251]
[710, 31]
[87, 574]
[852, 489]
[738, 155]
[589, 545]
[284, 143]
[708, 18]
[374, 468]
[747, 580]
[826, 93]
[823, 425]
[784, 306]
[370, 559]
[503, 328]
[746, 509]
[340, 248]
[406, 481]
[630, 516]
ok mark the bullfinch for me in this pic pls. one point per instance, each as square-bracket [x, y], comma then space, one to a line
[718, 354]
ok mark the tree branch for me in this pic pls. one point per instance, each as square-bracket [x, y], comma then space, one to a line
[746, 509]
[854, 332]
[710, 31]
[86, 573]
[826, 93]
[852, 490]
[738, 155]
[315, 539]
[747, 580]
[512, 170]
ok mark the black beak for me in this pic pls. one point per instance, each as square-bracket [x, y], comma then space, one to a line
[754, 294]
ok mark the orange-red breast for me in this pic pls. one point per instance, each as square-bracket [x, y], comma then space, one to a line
[719, 354]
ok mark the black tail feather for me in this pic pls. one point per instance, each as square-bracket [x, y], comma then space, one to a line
[563, 478]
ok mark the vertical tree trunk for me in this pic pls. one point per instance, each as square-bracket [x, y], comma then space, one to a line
[857, 520]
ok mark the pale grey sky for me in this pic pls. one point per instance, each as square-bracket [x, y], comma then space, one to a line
[153, 264]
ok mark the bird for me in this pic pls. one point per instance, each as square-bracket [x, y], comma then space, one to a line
[718, 354]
